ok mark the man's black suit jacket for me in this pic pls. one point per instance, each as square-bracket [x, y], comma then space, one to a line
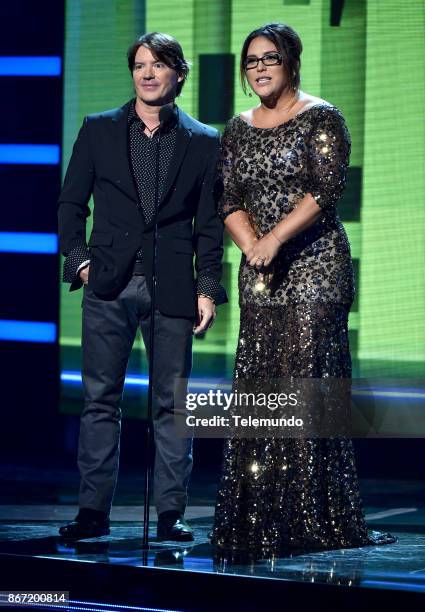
[188, 224]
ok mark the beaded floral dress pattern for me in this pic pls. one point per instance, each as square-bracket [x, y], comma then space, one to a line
[285, 494]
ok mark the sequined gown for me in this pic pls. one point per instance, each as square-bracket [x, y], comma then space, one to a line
[285, 494]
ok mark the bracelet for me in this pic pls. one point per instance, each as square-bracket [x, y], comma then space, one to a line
[279, 241]
[206, 296]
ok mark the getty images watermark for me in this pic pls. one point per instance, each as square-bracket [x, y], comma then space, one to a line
[250, 409]
[301, 408]
[227, 402]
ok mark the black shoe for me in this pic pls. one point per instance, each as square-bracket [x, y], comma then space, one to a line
[172, 526]
[87, 524]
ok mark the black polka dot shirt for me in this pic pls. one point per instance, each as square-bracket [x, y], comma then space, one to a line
[142, 153]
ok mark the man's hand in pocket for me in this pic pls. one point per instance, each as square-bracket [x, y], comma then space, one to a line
[84, 274]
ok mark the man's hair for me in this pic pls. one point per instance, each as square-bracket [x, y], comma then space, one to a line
[288, 44]
[164, 48]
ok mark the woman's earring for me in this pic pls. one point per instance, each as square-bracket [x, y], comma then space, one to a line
[250, 94]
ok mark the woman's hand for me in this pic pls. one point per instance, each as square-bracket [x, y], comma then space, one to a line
[263, 251]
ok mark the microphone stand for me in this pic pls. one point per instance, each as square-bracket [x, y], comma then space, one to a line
[164, 115]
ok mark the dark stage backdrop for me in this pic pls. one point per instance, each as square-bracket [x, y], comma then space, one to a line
[31, 69]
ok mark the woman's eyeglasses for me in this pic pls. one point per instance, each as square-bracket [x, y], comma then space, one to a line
[270, 59]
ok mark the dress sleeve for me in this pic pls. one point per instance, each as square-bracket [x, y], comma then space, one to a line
[230, 191]
[329, 149]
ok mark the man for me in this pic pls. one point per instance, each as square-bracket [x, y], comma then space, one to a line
[114, 158]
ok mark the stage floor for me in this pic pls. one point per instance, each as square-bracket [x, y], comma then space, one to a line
[31, 531]
[114, 571]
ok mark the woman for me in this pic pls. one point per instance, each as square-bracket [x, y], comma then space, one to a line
[284, 167]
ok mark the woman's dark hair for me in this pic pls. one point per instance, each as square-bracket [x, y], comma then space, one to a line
[287, 42]
[166, 49]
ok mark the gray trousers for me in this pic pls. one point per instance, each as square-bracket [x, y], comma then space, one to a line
[109, 330]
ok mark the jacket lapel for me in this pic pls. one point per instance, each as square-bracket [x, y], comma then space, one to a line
[183, 137]
[121, 158]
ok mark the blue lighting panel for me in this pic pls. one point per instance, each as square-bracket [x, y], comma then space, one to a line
[30, 66]
[27, 331]
[24, 242]
[29, 154]
[130, 379]
[136, 380]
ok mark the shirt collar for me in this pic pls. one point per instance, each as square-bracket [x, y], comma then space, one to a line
[134, 117]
